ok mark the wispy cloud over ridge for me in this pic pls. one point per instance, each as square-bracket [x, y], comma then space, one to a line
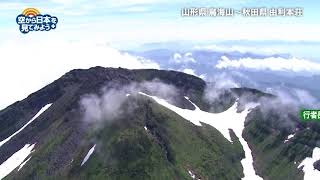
[108, 106]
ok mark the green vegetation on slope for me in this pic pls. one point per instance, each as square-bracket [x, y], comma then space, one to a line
[276, 160]
[125, 150]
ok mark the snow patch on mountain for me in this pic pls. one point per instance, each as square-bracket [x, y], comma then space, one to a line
[15, 160]
[192, 117]
[310, 173]
[229, 119]
[88, 155]
[34, 117]
[192, 175]
[289, 137]
[24, 163]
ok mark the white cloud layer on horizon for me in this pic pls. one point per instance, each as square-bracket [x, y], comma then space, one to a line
[240, 48]
[270, 63]
[26, 66]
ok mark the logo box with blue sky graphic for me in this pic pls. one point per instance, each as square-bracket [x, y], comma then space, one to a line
[32, 20]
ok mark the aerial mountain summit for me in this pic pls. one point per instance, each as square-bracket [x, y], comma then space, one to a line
[108, 123]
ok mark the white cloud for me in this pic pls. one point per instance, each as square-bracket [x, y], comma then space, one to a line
[271, 63]
[246, 29]
[186, 58]
[132, 2]
[108, 106]
[6, 6]
[224, 81]
[110, 3]
[64, 1]
[192, 72]
[294, 96]
[189, 71]
[304, 97]
[135, 9]
[219, 85]
[27, 65]
[241, 49]
[177, 56]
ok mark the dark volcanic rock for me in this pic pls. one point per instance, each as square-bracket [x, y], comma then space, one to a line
[316, 165]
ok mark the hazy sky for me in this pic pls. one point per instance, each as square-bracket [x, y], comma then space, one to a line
[160, 20]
